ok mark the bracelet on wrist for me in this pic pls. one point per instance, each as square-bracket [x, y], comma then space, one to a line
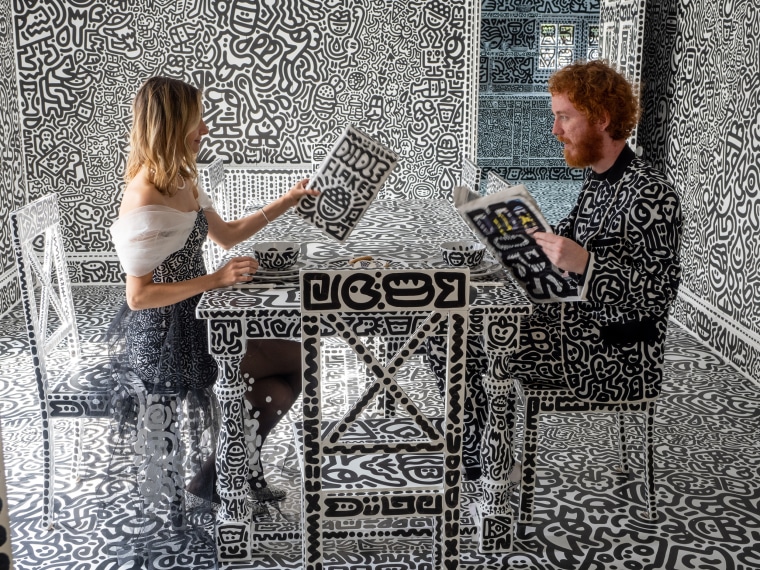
[264, 214]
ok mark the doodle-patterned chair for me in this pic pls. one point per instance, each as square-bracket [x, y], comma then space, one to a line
[494, 183]
[73, 384]
[402, 467]
[469, 183]
[235, 188]
[539, 399]
[212, 182]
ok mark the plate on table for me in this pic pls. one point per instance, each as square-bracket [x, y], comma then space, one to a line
[280, 273]
[343, 263]
[483, 269]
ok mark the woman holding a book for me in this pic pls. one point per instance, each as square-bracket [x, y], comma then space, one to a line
[163, 222]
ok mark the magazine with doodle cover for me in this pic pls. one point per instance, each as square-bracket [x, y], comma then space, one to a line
[349, 178]
[504, 222]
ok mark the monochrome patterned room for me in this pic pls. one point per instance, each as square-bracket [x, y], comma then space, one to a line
[457, 90]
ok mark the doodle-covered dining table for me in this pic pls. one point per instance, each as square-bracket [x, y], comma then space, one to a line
[405, 234]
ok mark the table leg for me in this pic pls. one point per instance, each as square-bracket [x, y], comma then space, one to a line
[233, 521]
[496, 518]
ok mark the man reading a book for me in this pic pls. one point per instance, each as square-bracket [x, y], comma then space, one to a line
[619, 244]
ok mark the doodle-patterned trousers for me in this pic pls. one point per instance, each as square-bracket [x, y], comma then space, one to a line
[539, 359]
[476, 402]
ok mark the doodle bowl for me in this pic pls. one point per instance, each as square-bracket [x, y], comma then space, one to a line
[276, 254]
[462, 253]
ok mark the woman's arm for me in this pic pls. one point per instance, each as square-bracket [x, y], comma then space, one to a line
[143, 293]
[229, 234]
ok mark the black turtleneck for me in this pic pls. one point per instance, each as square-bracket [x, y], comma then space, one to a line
[615, 172]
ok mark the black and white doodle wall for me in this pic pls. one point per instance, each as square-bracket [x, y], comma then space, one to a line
[701, 125]
[521, 43]
[12, 188]
[281, 80]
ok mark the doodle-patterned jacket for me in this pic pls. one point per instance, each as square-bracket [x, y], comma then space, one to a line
[629, 219]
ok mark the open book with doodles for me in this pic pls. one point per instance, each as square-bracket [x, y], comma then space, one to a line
[349, 178]
[504, 222]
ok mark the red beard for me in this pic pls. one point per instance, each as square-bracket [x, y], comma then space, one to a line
[585, 151]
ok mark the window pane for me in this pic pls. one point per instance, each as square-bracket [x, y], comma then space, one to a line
[593, 36]
[567, 35]
[548, 35]
[547, 58]
[565, 57]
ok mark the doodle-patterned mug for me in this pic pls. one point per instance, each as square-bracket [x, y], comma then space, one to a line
[276, 254]
[462, 253]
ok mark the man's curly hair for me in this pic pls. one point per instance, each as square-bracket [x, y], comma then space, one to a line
[596, 90]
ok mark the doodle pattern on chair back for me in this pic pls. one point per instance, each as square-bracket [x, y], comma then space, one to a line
[470, 176]
[50, 319]
[81, 385]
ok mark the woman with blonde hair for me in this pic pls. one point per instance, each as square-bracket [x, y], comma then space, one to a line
[163, 222]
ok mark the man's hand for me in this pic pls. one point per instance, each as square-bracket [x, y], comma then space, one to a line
[562, 252]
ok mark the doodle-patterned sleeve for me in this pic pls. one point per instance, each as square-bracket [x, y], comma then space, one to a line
[145, 236]
[640, 269]
[565, 226]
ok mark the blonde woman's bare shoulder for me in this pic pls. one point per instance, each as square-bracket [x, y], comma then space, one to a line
[140, 192]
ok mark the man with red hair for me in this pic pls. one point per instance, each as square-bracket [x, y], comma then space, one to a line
[619, 244]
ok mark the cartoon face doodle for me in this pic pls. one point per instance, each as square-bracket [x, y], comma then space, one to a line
[356, 80]
[334, 203]
[339, 22]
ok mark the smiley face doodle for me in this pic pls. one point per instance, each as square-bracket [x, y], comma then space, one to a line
[334, 203]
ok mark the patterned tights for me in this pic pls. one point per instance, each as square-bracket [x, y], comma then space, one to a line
[276, 367]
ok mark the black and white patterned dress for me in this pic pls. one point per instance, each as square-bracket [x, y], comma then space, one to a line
[165, 347]
[168, 345]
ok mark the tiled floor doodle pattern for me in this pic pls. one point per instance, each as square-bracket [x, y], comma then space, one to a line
[708, 473]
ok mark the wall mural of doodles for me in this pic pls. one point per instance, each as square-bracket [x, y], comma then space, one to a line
[12, 185]
[280, 82]
[701, 126]
[621, 39]
[269, 97]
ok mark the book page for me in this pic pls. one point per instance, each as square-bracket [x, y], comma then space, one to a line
[349, 178]
[504, 222]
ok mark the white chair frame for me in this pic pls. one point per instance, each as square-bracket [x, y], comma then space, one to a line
[539, 400]
[81, 387]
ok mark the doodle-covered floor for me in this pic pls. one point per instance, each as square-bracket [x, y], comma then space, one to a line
[708, 474]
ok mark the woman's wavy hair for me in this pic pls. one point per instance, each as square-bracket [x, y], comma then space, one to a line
[164, 111]
[597, 90]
